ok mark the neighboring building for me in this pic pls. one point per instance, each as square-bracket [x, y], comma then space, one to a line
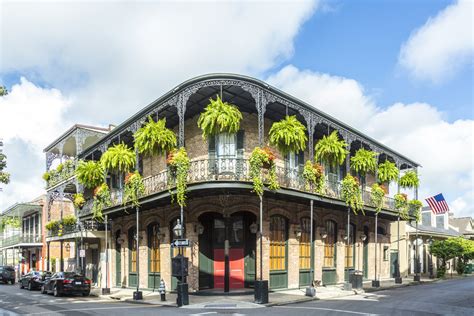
[464, 225]
[221, 214]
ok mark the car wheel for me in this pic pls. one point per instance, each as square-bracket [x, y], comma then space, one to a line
[86, 293]
[43, 290]
[12, 282]
[21, 285]
[30, 286]
[56, 292]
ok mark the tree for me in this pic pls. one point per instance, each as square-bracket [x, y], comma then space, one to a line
[3, 91]
[4, 176]
[445, 250]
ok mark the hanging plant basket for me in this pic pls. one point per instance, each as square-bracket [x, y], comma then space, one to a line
[415, 207]
[377, 195]
[134, 188]
[90, 174]
[288, 135]
[219, 117]
[409, 180]
[387, 172]
[178, 168]
[154, 138]
[102, 201]
[118, 158]
[260, 159]
[364, 161]
[352, 195]
[313, 175]
[331, 150]
[79, 200]
[401, 205]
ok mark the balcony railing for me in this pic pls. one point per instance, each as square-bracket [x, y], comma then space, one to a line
[20, 239]
[71, 229]
[67, 172]
[232, 169]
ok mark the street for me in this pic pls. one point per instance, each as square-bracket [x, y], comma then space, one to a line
[451, 297]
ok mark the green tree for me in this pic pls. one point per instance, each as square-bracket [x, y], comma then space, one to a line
[3, 91]
[4, 176]
[445, 250]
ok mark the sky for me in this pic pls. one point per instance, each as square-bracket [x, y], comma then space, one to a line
[399, 71]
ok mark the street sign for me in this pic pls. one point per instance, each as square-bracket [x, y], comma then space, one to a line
[180, 243]
[82, 253]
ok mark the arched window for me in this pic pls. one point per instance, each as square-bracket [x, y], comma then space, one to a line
[381, 231]
[153, 231]
[330, 244]
[278, 237]
[132, 246]
[350, 247]
[305, 243]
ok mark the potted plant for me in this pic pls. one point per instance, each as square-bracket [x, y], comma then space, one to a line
[263, 158]
[219, 117]
[90, 174]
[387, 172]
[313, 175]
[178, 166]
[118, 158]
[331, 150]
[352, 194]
[69, 220]
[52, 226]
[78, 200]
[401, 205]
[134, 188]
[377, 194]
[288, 135]
[409, 180]
[415, 209]
[363, 162]
[154, 138]
[102, 200]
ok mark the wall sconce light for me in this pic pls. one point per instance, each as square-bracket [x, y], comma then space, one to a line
[253, 228]
[68, 246]
[324, 234]
[363, 237]
[120, 241]
[199, 228]
[298, 232]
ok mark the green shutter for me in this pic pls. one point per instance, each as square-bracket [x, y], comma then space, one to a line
[240, 155]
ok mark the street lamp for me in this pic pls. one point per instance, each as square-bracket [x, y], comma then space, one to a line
[178, 229]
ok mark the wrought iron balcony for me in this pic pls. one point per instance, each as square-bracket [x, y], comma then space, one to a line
[67, 172]
[90, 225]
[232, 169]
[20, 239]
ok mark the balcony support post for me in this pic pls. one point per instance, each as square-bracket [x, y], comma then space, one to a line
[261, 105]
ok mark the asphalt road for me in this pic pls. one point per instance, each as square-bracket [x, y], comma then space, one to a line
[452, 297]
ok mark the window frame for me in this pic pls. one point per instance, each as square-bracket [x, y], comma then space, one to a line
[330, 246]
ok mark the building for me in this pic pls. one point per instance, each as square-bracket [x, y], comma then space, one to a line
[464, 225]
[222, 213]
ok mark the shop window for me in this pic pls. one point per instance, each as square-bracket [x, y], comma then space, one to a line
[350, 248]
[278, 237]
[305, 244]
[154, 247]
[330, 245]
[132, 245]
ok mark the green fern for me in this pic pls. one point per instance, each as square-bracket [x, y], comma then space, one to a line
[387, 172]
[90, 173]
[118, 158]
[364, 161]
[376, 197]
[401, 205]
[288, 135]
[409, 180]
[219, 117]
[352, 194]
[331, 150]
[155, 138]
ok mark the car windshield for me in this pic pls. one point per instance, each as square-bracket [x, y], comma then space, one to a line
[68, 275]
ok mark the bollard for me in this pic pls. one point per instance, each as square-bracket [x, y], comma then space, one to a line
[162, 290]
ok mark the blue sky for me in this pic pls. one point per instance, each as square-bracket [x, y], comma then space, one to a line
[399, 71]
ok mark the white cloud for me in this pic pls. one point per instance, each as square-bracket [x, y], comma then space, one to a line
[119, 56]
[444, 149]
[443, 45]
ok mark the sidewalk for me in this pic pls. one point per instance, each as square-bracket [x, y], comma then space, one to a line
[245, 299]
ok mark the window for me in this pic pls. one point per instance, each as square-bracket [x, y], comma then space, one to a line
[350, 248]
[440, 221]
[305, 244]
[381, 231]
[330, 245]
[385, 253]
[154, 247]
[426, 218]
[133, 249]
[278, 236]
[226, 145]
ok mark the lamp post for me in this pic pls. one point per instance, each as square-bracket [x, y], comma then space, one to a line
[137, 295]
[106, 289]
[430, 241]
[347, 284]
[375, 282]
[261, 286]
[311, 291]
[417, 277]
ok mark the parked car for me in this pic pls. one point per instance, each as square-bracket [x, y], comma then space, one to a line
[61, 283]
[33, 280]
[7, 274]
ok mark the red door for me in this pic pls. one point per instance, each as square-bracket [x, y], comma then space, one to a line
[236, 267]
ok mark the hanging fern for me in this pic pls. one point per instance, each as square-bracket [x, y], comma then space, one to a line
[154, 138]
[288, 135]
[178, 167]
[260, 159]
[409, 180]
[401, 205]
[134, 188]
[351, 193]
[102, 201]
[118, 158]
[52, 226]
[313, 176]
[79, 200]
[415, 209]
[219, 117]
[331, 150]
[69, 220]
[4, 177]
[387, 172]
[90, 173]
[364, 161]
[376, 197]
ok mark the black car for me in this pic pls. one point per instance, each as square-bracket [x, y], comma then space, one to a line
[66, 283]
[33, 280]
[7, 274]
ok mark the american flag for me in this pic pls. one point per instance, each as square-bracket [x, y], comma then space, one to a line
[438, 204]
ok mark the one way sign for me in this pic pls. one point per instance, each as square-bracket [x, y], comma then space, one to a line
[180, 243]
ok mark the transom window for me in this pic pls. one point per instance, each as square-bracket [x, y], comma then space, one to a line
[330, 245]
[305, 243]
[278, 237]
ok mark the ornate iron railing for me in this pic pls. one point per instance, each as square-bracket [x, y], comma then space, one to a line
[20, 239]
[232, 169]
[89, 225]
[68, 171]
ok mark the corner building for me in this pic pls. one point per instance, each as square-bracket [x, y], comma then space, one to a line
[222, 211]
